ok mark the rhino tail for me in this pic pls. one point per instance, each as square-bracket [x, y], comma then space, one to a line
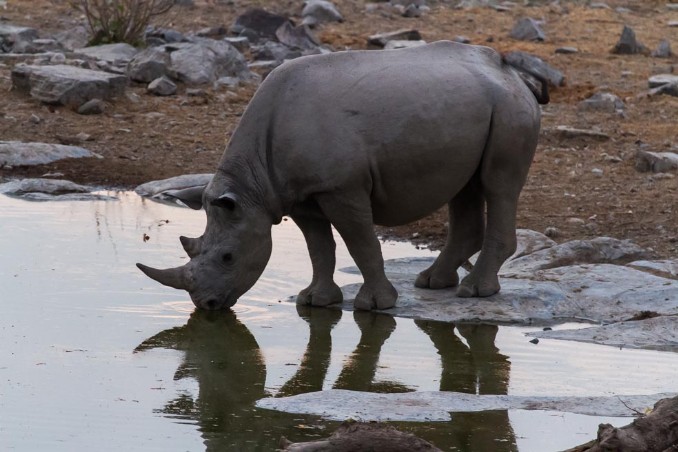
[529, 77]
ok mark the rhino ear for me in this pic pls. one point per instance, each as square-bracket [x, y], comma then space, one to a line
[227, 201]
[191, 196]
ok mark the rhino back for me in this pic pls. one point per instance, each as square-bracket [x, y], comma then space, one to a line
[407, 126]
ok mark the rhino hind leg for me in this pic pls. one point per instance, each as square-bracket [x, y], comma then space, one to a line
[464, 238]
[351, 214]
[323, 290]
[506, 161]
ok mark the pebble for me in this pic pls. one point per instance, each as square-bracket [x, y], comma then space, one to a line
[92, 107]
[552, 232]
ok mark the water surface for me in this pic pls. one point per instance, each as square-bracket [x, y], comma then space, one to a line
[95, 355]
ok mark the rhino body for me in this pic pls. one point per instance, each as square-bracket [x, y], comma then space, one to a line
[354, 138]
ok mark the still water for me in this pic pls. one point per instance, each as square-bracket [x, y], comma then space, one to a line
[94, 355]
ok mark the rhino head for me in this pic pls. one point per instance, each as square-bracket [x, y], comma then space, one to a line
[228, 258]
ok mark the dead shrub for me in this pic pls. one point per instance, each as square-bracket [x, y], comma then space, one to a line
[112, 21]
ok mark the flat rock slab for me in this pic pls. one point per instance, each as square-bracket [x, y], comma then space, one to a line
[111, 53]
[51, 190]
[16, 153]
[67, 85]
[658, 333]
[425, 406]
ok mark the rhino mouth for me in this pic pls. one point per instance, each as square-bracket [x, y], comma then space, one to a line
[215, 303]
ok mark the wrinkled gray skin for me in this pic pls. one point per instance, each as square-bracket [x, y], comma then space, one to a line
[354, 138]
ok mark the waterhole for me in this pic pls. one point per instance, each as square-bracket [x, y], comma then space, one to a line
[95, 355]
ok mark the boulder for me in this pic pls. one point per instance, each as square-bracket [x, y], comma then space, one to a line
[656, 162]
[67, 85]
[527, 29]
[658, 80]
[15, 38]
[15, 153]
[320, 11]
[627, 44]
[118, 53]
[296, 37]
[258, 24]
[534, 65]
[199, 61]
[274, 51]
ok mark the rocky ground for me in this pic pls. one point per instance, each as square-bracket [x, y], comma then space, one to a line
[580, 186]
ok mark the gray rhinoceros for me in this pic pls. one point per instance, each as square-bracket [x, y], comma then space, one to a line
[354, 138]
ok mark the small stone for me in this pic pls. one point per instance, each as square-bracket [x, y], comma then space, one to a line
[661, 79]
[567, 50]
[196, 92]
[672, 23]
[162, 86]
[461, 39]
[628, 45]
[57, 58]
[575, 221]
[602, 102]
[92, 107]
[412, 11]
[391, 45]
[656, 162]
[597, 171]
[381, 39]
[663, 50]
[534, 341]
[320, 11]
[552, 232]
[527, 29]
[35, 119]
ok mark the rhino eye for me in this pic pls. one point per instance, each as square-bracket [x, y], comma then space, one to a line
[226, 258]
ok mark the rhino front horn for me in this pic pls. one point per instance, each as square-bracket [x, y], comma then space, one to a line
[191, 246]
[172, 277]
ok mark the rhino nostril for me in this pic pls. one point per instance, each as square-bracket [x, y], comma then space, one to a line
[211, 304]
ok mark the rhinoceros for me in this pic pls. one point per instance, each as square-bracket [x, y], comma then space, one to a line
[356, 138]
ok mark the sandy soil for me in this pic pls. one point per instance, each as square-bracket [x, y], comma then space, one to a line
[155, 138]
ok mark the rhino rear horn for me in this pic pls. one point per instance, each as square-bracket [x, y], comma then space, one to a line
[191, 196]
[191, 246]
[172, 277]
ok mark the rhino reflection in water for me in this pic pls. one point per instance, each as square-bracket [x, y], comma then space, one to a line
[353, 138]
[223, 356]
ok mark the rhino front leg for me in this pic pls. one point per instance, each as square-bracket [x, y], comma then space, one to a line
[323, 290]
[464, 238]
[351, 214]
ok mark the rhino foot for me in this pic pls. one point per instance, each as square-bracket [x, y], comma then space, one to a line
[320, 295]
[371, 296]
[433, 279]
[471, 287]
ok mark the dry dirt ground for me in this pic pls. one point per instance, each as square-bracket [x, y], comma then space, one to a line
[155, 137]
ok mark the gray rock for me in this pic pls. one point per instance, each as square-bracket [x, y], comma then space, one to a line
[92, 107]
[16, 153]
[527, 29]
[656, 162]
[431, 406]
[73, 38]
[162, 86]
[567, 50]
[672, 23]
[299, 37]
[320, 11]
[258, 24]
[658, 80]
[532, 64]
[391, 45]
[575, 252]
[658, 333]
[118, 53]
[461, 39]
[628, 45]
[67, 85]
[602, 102]
[566, 132]
[413, 10]
[197, 62]
[663, 50]
[667, 268]
[274, 51]
[164, 35]
[17, 39]
[149, 64]
[242, 43]
[672, 6]
[205, 60]
[159, 188]
[381, 39]
[46, 186]
[670, 89]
